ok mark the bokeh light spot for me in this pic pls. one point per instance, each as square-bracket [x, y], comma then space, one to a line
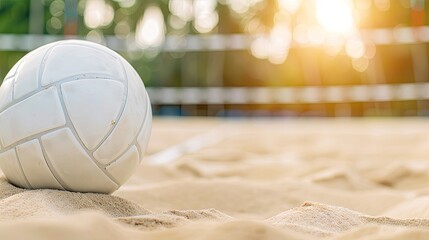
[95, 36]
[122, 29]
[126, 3]
[360, 64]
[382, 5]
[54, 25]
[182, 9]
[150, 28]
[336, 16]
[206, 16]
[355, 48]
[56, 8]
[290, 6]
[98, 13]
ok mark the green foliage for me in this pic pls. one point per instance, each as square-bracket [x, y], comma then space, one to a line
[14, 16]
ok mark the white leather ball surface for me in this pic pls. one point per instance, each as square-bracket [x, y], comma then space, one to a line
[74, 115]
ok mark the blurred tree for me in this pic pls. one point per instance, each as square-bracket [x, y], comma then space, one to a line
[14, 16]
[13, 20]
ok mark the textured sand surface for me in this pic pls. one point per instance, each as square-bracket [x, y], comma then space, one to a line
[261, 179]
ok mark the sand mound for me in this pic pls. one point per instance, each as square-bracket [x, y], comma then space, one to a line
[324, 220]
[173, 218]
[17, 203]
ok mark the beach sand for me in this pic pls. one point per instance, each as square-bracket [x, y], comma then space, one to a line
[249, 179]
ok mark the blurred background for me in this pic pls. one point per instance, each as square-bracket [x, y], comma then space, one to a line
[250, 58]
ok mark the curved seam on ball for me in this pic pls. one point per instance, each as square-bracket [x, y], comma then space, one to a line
[43, 64]
[21, 169]
[13, 75]
[13, 82]
[92, 47]
[70, 126]
[136, 143]
[144, 123]
[64, 80]
[29, 138]
[51, 167]
[121, 111]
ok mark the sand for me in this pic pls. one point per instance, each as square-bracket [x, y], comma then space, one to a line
[260, 179]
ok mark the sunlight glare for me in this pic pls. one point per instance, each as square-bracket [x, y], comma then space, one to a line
[300, 34]
[336, 16]
[290, 6]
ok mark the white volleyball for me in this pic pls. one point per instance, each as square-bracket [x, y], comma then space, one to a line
[74, 115]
